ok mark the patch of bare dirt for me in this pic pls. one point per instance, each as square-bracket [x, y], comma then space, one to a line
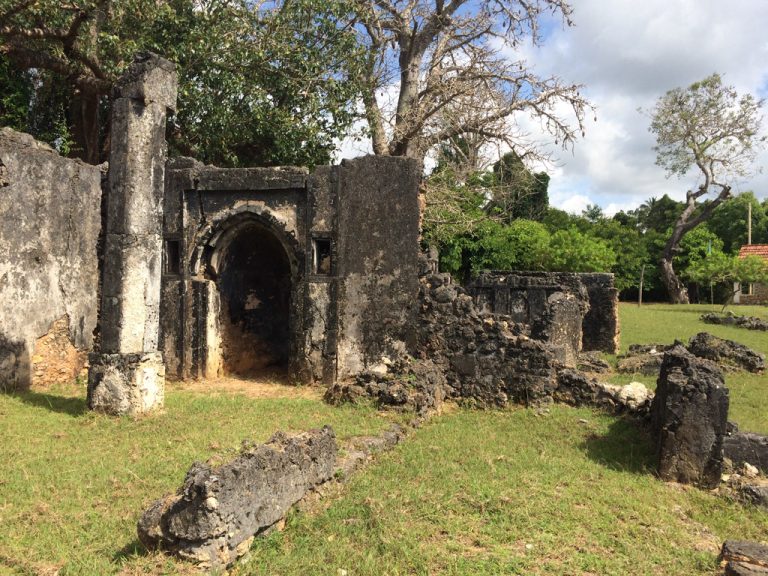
[272, 385]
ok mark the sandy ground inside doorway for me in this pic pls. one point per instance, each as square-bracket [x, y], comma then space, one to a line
[263, 386]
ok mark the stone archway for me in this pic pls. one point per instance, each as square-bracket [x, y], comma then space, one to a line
[251, 270]
[254, 283]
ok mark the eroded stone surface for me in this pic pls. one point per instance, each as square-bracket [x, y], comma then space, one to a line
[744, 558]
[126, 384]
[742, 447]
[576, 389]
[726, 352]
[49, 230]
[487, 358]
[213, 518]
[688, 419]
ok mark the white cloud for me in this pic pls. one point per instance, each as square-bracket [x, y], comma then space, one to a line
[628, 54]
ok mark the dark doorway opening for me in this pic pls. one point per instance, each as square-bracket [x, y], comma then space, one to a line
[254, 284]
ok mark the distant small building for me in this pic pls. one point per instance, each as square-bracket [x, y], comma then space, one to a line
[752, 293]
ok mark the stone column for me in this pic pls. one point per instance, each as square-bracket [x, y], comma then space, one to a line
[127, 376]
[689, 414]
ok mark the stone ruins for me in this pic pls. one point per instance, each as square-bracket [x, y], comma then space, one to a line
[152, 268]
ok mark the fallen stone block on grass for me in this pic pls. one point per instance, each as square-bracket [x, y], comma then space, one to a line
[215, 515]
[748, 322]
[689, 416]
[744, 558]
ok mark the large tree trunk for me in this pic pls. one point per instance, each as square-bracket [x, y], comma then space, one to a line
[678, 294]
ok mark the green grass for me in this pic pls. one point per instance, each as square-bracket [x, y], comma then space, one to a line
[471, 492]
[509, 492]
[73, 483]
[665, 323]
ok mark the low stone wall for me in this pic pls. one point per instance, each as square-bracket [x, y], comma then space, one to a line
[50, 221]
[486, 358]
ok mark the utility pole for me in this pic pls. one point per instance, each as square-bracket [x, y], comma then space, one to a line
[749, 223]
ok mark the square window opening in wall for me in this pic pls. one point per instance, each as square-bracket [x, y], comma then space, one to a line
[172, 257]
[321, 256]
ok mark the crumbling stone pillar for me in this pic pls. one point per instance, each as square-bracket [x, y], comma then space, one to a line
[127, 376]
[688, 418]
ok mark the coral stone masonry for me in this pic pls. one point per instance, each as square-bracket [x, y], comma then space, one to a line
[127, 375]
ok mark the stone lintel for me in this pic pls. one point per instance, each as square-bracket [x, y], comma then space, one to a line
[126, 384]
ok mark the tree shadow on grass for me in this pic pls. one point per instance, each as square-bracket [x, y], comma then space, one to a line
[72, 405]
[626, 447]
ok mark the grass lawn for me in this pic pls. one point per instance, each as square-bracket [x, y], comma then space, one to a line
[471, 492]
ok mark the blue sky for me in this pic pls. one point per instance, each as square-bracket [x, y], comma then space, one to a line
[628, 53]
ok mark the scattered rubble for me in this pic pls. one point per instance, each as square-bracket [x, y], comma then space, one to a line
[726, 352]
[416, 386]
[592, 363]
[729, 319]
[576, 389]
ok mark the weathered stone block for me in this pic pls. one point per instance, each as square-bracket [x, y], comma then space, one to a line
[744, 558]
[215, 515]
[130, 313]
[151, 79]
[688, 417]
[126, 384]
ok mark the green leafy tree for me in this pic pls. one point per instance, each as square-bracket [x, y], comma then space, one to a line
[709, 127]
[593, 214]
[729, 222]
[520, 245]
[573, 251]
[258, 84]
[630, 249]
[516, 192]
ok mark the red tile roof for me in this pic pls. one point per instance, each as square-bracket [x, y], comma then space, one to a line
[754, 250]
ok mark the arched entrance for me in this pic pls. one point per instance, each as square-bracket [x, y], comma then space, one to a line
[253, 276]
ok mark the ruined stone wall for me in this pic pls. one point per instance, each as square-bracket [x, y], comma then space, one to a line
[571, 311]
[205, 210]
[487, 358]
[600, 328]
[378, 255]
[553, 304]
[49, 228]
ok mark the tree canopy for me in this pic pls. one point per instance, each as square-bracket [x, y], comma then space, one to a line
[453, 66]
[259, 83]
